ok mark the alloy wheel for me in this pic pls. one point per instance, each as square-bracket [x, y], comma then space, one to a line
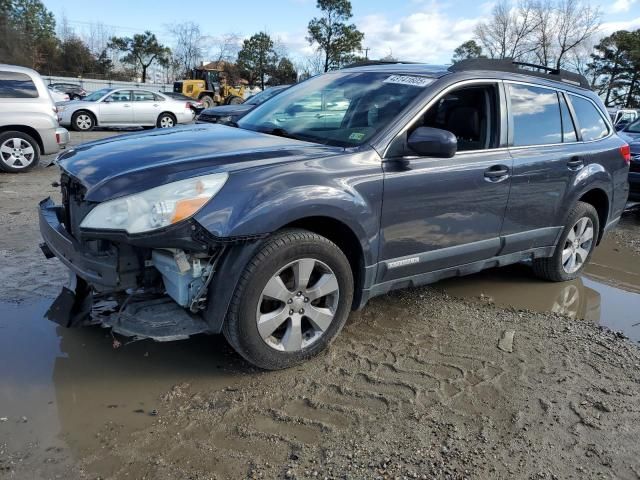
[84, 121]
[17, 153]
[297, 305]
[166, 122]
[577, 245]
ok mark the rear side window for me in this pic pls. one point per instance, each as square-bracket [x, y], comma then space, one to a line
[592, 125]
[568, 128]
[536, 115]
[17, 85]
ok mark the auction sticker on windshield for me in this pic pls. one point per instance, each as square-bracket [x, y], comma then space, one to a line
[409, 80]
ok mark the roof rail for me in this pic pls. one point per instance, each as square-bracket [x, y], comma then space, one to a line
[365, 63]
[509, 65]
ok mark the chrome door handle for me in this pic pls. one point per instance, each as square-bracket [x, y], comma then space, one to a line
[496, 173]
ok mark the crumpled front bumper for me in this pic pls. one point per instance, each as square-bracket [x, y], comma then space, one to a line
[59, 243]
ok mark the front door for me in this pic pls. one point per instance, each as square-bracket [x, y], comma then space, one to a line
[116, 109]
[439, 213]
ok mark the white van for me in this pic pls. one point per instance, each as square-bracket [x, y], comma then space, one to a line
[28, 120]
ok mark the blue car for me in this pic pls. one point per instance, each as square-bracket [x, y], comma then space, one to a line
[340, 188]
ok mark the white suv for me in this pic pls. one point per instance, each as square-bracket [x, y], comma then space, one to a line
[28, 120]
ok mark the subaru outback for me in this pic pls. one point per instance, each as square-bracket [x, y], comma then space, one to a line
[346, 186]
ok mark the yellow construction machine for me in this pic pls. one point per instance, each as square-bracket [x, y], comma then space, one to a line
[210, 86]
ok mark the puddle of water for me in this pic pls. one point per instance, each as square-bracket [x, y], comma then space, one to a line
[69, 383]
[607, 294]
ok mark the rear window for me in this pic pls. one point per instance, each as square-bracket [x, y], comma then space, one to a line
[592, 125]
[536, 115]
[17, 85]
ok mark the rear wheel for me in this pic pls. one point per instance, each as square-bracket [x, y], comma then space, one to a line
[291, 301]
[575, 247]
[234, 100]
[208, 102]
[19, 152]
[83, 121]
[166, 120]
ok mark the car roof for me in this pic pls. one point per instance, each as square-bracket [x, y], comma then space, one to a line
[498, 68]
[16, 68]
[412, 68]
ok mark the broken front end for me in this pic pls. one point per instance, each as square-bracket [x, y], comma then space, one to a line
[143, 282]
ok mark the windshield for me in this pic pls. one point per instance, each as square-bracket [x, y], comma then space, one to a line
[97, 95]
[263, 96]
[342, 109]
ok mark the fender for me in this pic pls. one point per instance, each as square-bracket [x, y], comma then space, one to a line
[592, 176]
[347, 188]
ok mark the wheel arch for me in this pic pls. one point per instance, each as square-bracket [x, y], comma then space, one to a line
[87, 111]
[345, 238]
[167, 112]
[32, 132]
[599, 199]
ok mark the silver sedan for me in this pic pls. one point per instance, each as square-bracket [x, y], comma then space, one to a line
[124, 107]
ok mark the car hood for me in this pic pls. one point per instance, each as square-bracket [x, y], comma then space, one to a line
[228, 110]
[127, 164]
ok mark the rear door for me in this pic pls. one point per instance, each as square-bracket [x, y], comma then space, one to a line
[546, 158]
[116, 109]
[146, 107]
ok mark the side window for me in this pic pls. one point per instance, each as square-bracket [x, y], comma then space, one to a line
[143, 96]
[568, 128]
[470, 113]
[158, 98]
[17, 85]
[592, 125]
[120, 96]
[536, 115]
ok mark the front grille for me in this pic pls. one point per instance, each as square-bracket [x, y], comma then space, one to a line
[73, 202]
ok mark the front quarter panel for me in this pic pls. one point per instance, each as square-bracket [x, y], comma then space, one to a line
[261, 200]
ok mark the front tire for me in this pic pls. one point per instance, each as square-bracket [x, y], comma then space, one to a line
[19, 152]
[83, 121]
[292, 300]
[575, 247]
[234, 100]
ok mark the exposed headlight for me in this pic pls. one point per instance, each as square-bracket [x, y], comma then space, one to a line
[224, 119]
[157, 207]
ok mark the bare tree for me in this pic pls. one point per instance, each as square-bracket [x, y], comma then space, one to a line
[224, 48]
[577, 23]
[507, 33]
[188, 45]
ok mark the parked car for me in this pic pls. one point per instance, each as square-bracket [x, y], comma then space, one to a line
[28, 120]
[343, 187]
[232, 113]
[75, 91]
[124, 107]
[621, 117]
[196, 105]
[57, 96]
[631, 131]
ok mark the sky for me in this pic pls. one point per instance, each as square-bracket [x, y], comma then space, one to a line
[416, 30]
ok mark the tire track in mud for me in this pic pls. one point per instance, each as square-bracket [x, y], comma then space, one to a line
[415, 395]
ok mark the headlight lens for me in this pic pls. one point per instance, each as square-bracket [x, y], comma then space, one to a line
[224, 119]
[60, 108]
[157, 207]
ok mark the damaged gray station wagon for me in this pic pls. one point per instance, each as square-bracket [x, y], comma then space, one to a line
[343, 187]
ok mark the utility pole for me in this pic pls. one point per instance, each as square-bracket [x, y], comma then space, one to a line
[366, 53]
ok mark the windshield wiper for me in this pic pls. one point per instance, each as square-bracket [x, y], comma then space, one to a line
[281, 132]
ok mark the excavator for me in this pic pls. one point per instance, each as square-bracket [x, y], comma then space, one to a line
[210, 86]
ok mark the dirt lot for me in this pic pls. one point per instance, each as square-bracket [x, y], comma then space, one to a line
[420, 384]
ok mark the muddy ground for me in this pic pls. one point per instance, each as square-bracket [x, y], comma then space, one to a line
[420, 384]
